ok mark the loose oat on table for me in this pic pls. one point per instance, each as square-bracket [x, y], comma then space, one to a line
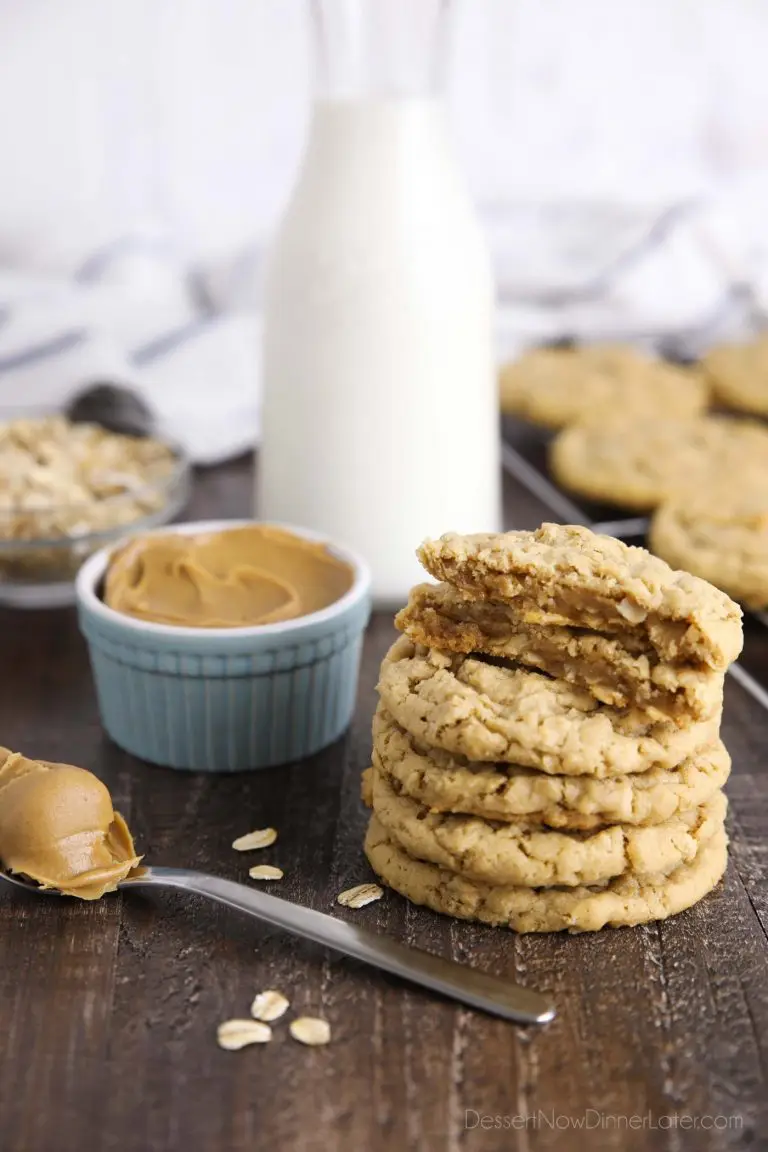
[556, 386]
[508, 792]
[637, 463]
[310, 1030]
[359, 896]
[265, 872]
[261, 838]
[625, 900]
[722, 537]
[236, 1034]
[486, 712]
[525, 854]
[619, 668]
[565, 574]
[269, 1005]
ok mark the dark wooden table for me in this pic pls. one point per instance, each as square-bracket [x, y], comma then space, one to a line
[108, 1011]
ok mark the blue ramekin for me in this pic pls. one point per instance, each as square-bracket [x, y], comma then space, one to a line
[225, 699]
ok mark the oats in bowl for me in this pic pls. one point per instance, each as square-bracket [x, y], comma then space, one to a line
[67, 489]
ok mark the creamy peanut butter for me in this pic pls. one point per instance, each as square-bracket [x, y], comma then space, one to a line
[58, 827]
[238, 577]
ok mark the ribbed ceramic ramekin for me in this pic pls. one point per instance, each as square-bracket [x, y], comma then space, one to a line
[225, 699]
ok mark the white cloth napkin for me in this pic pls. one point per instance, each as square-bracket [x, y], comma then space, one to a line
[126, 312]
[678, 277]
[81, 306]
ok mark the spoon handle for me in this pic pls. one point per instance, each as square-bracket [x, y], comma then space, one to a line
[493, 994]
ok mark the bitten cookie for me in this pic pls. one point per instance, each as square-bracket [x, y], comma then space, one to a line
[626, 900]
[618, 668]
[557, 386]
[446, 783]
[564, 574]
[485, 711]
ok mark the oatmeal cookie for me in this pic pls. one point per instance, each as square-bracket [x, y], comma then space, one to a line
[564, 574]
[557, 386]
[488, 711]
[724, 541]
[638, 463]
[628, 899]
[617, 668]
[446, 783]
[521, 853]
[738, 375]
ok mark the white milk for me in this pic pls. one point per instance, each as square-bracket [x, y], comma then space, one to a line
[380, 411]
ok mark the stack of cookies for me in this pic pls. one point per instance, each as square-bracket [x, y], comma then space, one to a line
[546, 748]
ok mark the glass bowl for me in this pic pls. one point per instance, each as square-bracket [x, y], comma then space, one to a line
[41, 549]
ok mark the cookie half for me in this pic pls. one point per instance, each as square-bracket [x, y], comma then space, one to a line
[489, 712]
[622, 669]
[445, 783]
[626, 900]
[564, 574]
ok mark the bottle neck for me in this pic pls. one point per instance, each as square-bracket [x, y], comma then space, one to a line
[380, 49]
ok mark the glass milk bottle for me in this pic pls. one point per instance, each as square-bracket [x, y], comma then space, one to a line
[380, 421]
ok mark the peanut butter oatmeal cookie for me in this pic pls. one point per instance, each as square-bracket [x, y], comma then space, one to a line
[628, 899]
[522, 853]
[722, 540]
[557, 386]
[738, 375]
[617, 668]
[640, 462]
[564, 574]
[446, 783]
[490, 711]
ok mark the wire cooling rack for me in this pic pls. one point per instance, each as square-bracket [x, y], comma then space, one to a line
[524, 456]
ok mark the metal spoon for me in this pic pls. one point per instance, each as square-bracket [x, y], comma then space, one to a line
[490, 993]
[115, 408]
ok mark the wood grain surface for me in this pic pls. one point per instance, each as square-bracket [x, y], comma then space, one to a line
[108, 1011]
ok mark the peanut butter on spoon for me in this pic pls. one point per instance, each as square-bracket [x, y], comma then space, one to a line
[233, 578]
[58, 827]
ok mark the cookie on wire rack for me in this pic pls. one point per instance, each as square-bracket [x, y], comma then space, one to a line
[555, 387]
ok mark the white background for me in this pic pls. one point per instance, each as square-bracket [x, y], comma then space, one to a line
[191, 112]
